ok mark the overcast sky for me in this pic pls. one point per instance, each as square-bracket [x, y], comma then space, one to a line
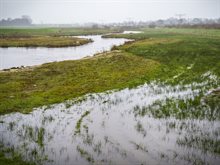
[81, 11]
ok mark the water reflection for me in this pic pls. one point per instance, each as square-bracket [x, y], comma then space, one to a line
[16, 57]
[120, 127]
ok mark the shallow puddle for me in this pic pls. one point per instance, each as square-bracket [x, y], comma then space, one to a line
[120, 127]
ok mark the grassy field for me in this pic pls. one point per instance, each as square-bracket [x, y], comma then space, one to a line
[169, 33]
[43, 41]
[56, 82]
[20, 32]
[162, 56]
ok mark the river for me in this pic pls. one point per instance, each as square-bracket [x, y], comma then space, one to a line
[17, 57]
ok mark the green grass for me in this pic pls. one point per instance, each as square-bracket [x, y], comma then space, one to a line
[42, 41]
[14, 160]
[56, 82]
[27, 32]
[170, 33]
[163, 56]
[173, 56]
[79, 122]
[47, 37]
[177, 54]
[86, 155]
[40, 137]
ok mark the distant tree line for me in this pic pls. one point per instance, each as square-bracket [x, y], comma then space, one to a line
[23, 21]
[172, 22]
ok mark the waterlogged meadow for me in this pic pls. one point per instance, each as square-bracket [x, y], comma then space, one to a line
[154, 123]
[153, 100]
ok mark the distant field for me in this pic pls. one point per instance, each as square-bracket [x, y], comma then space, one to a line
[170, 32]
[27, 32]
[46, 37]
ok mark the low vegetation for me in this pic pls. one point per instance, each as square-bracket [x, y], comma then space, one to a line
[28, 32]
[168, 56]
[169, 33]
[79, 122]
[13, 160]
[55, 82]
[47, 37]
[43, 41]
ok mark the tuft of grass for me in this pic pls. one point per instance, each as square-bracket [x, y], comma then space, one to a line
[85, 154]
[79, 122]
[13, 159]
[40, 137]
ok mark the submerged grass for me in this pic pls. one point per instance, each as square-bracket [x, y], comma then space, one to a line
[79, 122]
[85, 155]
[12, 158]
[40, 137]
[16, 160]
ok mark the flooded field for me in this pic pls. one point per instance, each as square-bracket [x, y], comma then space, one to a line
[152, 124]
[16, 57]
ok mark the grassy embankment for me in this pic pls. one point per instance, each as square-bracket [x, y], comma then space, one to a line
[158, 55]
[46, 37]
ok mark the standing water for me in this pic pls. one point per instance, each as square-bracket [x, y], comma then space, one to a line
[151, 124]
[132, 32]
[16, 57]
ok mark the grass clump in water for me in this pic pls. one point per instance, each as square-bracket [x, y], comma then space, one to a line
[79, 122]
[85, 154]
[12, 157]
[40, 137]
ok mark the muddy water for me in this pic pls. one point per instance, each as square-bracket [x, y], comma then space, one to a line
[118, 127]
[16, 57]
